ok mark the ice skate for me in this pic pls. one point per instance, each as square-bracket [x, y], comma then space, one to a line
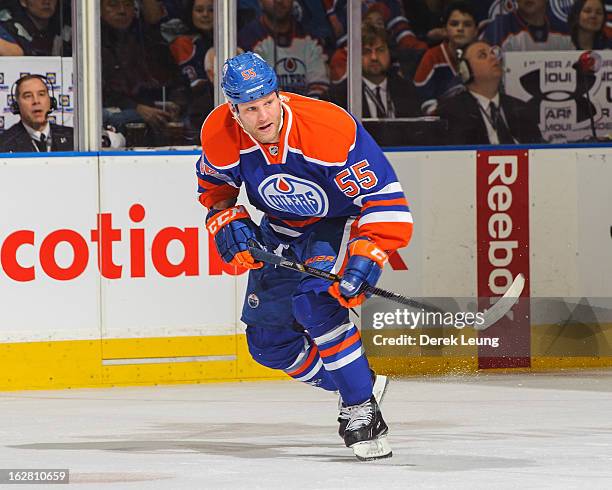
[380, 383]
[366, 432]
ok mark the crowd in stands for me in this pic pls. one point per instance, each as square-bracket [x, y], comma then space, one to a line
[35, 28]
[419, 57]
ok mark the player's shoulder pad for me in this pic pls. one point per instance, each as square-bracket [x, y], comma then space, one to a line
[322, 131]
[220, 138]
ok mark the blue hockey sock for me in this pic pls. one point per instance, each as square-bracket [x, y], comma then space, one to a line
[344, 359]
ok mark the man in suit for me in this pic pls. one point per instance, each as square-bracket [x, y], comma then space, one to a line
[482, 115]
[34, 132]
[385, 94]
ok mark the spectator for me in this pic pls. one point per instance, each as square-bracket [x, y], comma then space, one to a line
[248, 10]
[427, 16]
[37, 28]
[7, 46]
[34, 132]
[482, 115]
[296, 55]
[189, 52]
[529, 28]
[587, 20]
[384, 93]
[405, 46]
[167, 15]
[396, 23]
[137, 70]
[436, 76]
[487, 10]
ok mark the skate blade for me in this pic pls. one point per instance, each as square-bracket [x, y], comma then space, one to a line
[380, 387]
[372, 450]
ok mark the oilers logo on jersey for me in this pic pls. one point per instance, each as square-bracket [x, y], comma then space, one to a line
[290, 194]
[291, 73]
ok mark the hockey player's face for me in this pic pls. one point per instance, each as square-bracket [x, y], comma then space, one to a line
[34, 103]
[461, 29]
[261, 118]
[202, 15]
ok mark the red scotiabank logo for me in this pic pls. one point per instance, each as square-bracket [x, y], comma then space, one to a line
[104, 237]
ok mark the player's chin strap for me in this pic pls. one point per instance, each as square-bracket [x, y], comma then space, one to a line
[234, 110]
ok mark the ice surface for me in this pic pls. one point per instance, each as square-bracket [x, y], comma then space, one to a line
[485, 431]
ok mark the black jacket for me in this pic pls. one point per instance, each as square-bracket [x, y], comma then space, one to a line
[53, 40]
[402, 92]
[16, 139]
[466, 124]
[136, 66]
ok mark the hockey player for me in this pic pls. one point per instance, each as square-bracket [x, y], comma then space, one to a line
[330, 199]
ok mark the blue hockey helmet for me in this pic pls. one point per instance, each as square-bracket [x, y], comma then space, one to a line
[247, 77]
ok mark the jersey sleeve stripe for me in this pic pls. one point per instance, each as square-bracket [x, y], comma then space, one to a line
[386, 209]
[385, 202]
[392, 188]
[223, 167]
[386, 217]
[388, 236]
[382, 197]
[204, 185]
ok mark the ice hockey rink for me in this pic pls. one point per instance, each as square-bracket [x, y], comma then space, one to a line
[481, 431]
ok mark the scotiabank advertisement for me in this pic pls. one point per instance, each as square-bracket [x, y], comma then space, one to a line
[116, 248]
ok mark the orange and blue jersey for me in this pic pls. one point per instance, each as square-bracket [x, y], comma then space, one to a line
[396, 23]
[512, 33]
[324, 166]
[436, 76]
[189, 52]
[324, 182]
[298, 57]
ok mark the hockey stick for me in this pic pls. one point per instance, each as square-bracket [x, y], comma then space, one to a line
[503, 304]
[270, 258]
[490, 316]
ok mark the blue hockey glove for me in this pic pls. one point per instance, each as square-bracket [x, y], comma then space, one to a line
[232, 228]
[364, 267]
